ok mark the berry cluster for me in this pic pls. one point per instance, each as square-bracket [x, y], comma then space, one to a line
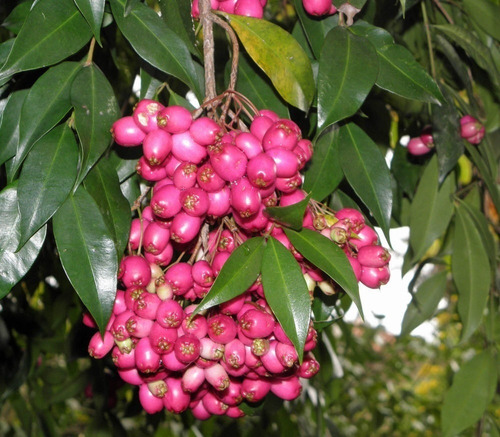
[212, 182]
[470, 130]
[248, 8]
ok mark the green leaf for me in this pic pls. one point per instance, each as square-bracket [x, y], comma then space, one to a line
[156, 43]
[96, 109]
[400, 74]
[485, 14]
[348, 68]
[14, 22]
[177, 16]
[280, 57]
[328, 257]
[88, 254]
[446, 134]
[424, 302]
[252, 85]
[291, 216]
[93, 11]
[431, 209]
[103, 185]
[471, 272]
[286, 292]
[315, 30]
[14, 265]
[405, 172]
[9, 129]
[366, 171]
[238, 273]
[50, 94]
[46, 179]
[54, 30]
[149, 85]
[324, 172]
[472, 391]
[376, 35]
[473, 47]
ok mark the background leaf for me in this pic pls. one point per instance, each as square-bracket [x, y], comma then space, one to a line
[14, 265]
[431, 209]
[177, 16]
[471, 272]
[103, 185]
[472, 390]
[291, 216]
[367, 173]
[16, 18]
[93, 11]
[156, 43]
[46, 179]
[96, 109]
[53, 30]
[328, 257]
[9, 128]
[324, 172]
[51, 94]
[286, 292]
[485, 14]
[87, 253]
[237, 274]
[424, 302]
[348, 68]
[280, 57]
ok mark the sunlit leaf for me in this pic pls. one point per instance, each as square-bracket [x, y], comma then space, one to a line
[324, 173]
[88, 254]
[471, 272]
[348, 68]
[472, 390]
[53, 30]
[46, 179]
[366, 171]
[286, 292]
[96, 109]
[328, 257]
[280, 57]
[238, 273]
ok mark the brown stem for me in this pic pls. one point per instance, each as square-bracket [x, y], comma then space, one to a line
[138, 201]
[208, 49]
[443, 11]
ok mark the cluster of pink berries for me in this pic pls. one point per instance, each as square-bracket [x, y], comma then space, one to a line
[204, 172]
[470, 129]
[247, 8]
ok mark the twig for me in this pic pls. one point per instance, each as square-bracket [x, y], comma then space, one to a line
[443, 11]
[90, 55]
[208, 49]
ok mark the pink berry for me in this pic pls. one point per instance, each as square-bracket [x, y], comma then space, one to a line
[155, 238]
[146, 359]
[150, 172]
[134, 270]
[287, 388]
[217, 377]
[187, 348]
[205, 131]
[417, 147]
[126, 132]
[287, 163]
[317, 7]
[249, 144]
[249, 8]
[162, 339]
[174, 119]
[221, 328]
[176, 400]
[185, 148]
[170, 314]
[245, 198]
[283, 133]
[192, 379]
[220, 202]
[194, 201]
[156, 146]
[261, 170]
[229, 162]
[185, 175]
[256, 323]
[165, 201]
[373, 256]
[185, 227]
[374, 277]
[149, 402]
[254, 390]
[100, 346]
[208, 179]
[145, 114]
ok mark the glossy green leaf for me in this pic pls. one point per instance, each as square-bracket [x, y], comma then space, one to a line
[96, 109]
[291, 216]
[50, 94]
[93, 11]
[376, 35]
[472, 390]
[46, 179]
[405, 172]
[471, 272]
[473, 47]
[259, 90]
[431, 209]
[88, 254]
[53, 30]
[14, 265]
[366, 171]
[315, 30]
[17, 17]
[103, 185]
[348, 68]
[400, 74]
[328, 257]
[446, 134]
[156, 43]
[485, 14]
[5, 49]
[324, 172]
[424, 302]
[177, 16]
[9, 129]
[280, 57]
[149, 85]
[238, 273]
[286, 292]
